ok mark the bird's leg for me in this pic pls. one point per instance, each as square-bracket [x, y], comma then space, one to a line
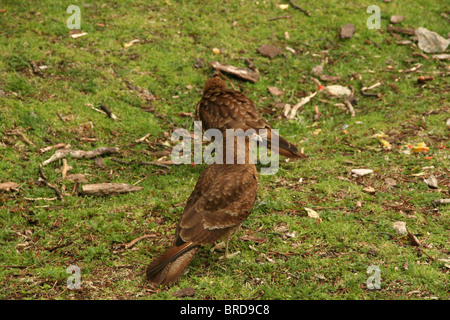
[227, 255]
[217, 246]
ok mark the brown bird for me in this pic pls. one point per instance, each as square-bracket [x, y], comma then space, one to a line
[220, 105]
[222, 200]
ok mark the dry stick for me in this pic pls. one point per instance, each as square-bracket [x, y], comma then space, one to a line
[43, 178]
[317, 113]
[299, 8]
[17, 132]
[441, 201]
[65, 168]
[132, 243]
[143, 138]
[280, 17]
[56, 146]
[350, 107]
[298, 105]
[59, 246]
[407, 31]
[246, 74]
[367, 94]
[38, 199]
[107, 189]
[80, 154]
[144, 163]
[108, 112]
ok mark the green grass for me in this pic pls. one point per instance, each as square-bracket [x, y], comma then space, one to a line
[296, 257]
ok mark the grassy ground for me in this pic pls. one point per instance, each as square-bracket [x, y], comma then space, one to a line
[285, 254]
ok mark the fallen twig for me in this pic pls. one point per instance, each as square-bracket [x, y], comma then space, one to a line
[299, 8]
[262, 253]
[81, 154]
[145, 163]
[43, 178]
[280, 17]
[107, 189]
[132, 243]
[144, 138]
[407, 31]
[65, 168]
[302, 102]
[108, 112]
[56, 146]
[39, 199]
[68, 243]
[246, 74]
[18, 132]
[350, 108]
[317, 113]
[368, 94]
[441, 201]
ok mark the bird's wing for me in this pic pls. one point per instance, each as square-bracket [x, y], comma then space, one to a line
[218, 206]
[219, 106]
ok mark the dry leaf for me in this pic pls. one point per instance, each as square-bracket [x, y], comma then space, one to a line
[312, 213]
[337, 91]
[275, 91]
[129, 44]
[369, 190]
[413, 239]
[185, 292]
[247, 237]
[400, 227]
[78, 35]
[431, 182]
[8, 186]
[362, 172]
[420, 147]
[390, 182]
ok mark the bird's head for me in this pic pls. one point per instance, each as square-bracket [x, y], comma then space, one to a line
[214, 82]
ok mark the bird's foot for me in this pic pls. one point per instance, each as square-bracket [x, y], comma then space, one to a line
[229, 255]
[218, 246]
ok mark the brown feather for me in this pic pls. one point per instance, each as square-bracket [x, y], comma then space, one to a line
[169, 266]
[220, 105]
[222, 200]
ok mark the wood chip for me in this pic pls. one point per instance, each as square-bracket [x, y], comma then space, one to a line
[396, 19]
[407, 31]
[432, 182]
[77, 177]
[185, 292]
[441, 201]
[275, 91]
[413, 240]
[9, 186]
[80, 154]
[78, 35]
[246, 74]
[390, 182]
[108, 189]
[347, 31]
[317, 70]
[312, 213]
[269, 51]
[362, 172]
[370, 190]
[400, 227]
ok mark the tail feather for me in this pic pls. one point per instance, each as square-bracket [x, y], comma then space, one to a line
[283, 147]
[168, 267]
